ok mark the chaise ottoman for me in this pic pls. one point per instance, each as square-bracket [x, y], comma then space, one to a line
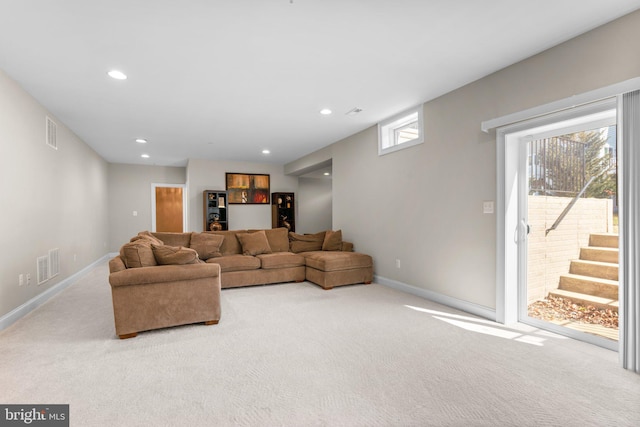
[336, 268]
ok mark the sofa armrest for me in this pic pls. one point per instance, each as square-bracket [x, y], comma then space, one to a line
[347, 247]
[163, 274]
[116, 264]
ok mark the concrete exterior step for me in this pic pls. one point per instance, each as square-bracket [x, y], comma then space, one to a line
[603, 240]
[603, 270]
[594, 286]
[599, 254]
[587, 300]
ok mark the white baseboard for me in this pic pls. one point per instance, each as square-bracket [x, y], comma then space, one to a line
[26, 308]
[465, 306]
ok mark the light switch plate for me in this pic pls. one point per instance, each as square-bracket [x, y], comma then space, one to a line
[487, 207]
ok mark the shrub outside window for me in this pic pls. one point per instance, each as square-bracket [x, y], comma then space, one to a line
[401, 131]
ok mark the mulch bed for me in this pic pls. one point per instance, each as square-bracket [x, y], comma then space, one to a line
[557, 308]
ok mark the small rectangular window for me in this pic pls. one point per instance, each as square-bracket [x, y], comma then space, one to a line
[401, 131]
[51, 134]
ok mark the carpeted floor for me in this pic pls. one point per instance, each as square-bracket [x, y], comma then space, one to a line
[296, 355]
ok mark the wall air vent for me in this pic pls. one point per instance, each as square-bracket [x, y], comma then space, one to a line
[54, 262]
[43, 269]
[51, 134]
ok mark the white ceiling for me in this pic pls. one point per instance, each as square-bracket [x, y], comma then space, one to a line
[223, 80]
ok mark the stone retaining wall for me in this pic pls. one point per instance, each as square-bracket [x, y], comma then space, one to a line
[549, 256]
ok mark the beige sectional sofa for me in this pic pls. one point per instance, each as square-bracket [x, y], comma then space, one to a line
[167, 279]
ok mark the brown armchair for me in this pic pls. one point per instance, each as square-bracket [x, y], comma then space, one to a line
[160, 296]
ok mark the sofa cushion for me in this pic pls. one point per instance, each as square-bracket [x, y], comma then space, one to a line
[235, 263]
[174, 255]
[335, 261]
[230, 244]
[254, 243]
[278, 239]
[306, 242]
[206, 244]
[147, 236]
[138, 254]
[280, 260]
[332, 241]
[174, 239]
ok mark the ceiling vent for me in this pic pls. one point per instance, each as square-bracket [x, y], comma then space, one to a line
[43, 269]
[54, 262]
[51, 134]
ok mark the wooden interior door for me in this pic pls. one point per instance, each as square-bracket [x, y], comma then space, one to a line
[169, 209]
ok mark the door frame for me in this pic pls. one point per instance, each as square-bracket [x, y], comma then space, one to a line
[184, 203]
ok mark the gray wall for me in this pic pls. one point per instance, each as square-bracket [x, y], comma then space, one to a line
[210, 175]
[314, 204]
[130, 190]
[423, 205]
[51, 198]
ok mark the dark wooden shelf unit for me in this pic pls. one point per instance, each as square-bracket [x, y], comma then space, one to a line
[214, 204]
[283, 211]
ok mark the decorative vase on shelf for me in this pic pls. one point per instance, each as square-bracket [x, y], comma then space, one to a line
[285, 223]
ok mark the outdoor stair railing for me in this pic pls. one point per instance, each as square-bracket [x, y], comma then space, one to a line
[573, 202]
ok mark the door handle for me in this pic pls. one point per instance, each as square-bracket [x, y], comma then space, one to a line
[526, 228]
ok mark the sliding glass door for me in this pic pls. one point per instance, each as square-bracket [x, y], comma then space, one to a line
[567, 231]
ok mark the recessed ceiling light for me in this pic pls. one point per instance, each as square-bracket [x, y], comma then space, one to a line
[118, 75]
[266, 152]
[327, 174]
[145, 156]
[141, 141]
[325, 111]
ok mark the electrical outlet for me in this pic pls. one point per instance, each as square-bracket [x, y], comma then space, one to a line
[487, 207]
[28, 279]
[397, 263]
[21, 280]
